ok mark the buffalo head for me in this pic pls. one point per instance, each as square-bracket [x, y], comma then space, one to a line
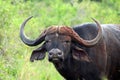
[59, 42]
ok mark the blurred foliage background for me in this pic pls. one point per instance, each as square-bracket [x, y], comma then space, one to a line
[14, 55]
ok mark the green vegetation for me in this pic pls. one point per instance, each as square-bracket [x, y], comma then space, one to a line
[14, 55]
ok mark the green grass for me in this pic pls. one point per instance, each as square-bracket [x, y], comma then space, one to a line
[14, 55]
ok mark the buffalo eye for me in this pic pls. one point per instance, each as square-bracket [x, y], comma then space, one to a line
[48, 41]
[66, 42]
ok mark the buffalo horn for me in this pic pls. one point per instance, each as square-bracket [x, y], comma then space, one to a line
[88, 43]
[28, 41]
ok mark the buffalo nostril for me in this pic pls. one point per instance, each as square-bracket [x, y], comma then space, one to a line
[59, 53]
[55, 53]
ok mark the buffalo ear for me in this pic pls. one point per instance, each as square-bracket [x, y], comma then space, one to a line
[38, 54]
[79, 54]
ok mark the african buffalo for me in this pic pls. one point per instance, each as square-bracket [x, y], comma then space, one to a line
[85, 52]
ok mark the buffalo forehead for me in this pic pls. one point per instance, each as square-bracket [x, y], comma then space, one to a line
[58, 36]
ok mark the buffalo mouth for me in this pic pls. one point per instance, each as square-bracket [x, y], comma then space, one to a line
[56, 59]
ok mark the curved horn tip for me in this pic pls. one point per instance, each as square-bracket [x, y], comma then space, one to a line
[29, 17]
[23, 24]
[94, 20]
[25, 39]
